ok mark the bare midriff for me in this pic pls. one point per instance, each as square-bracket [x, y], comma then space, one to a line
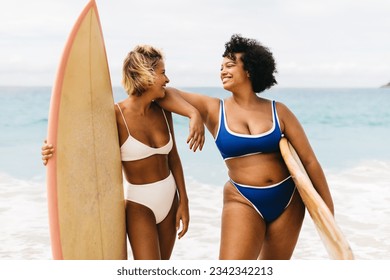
[258, 170]
[148, 170]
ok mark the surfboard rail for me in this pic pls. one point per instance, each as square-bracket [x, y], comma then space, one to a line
[331, 235]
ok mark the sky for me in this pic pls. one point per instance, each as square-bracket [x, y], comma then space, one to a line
[328, 43]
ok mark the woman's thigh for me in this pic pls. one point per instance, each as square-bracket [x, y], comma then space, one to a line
[282, 234]
[242, 229]
[167, 232]
[142, 232]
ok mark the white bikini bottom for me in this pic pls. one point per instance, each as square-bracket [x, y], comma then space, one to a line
[157, 196]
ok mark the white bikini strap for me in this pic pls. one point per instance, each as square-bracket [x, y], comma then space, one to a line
[166, 120]
[123, 117]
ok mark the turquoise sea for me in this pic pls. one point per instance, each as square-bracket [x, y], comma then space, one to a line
[348, 128]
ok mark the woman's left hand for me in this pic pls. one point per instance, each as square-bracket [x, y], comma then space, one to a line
[183, 215]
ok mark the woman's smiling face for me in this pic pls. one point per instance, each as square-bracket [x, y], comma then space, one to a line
[232, 73]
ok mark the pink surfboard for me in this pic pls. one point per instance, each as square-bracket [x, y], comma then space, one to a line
[84, 177]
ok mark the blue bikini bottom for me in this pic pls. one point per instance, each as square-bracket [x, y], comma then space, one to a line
[269, 201]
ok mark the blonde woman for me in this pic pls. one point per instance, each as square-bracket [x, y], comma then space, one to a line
[155, 192]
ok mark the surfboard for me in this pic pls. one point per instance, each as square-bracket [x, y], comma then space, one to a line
[331, 235]
[84, 178]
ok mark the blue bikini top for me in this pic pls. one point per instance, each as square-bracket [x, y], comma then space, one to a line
[232, 144]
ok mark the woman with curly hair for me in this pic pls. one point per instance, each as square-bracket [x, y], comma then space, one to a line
[262, 211]
[155, 192]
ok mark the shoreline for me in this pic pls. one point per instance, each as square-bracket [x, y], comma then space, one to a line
[362, 215]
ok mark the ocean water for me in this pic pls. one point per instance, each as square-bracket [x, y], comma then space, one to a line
[349, 130]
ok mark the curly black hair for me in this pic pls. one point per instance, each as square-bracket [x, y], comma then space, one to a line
[257, 59]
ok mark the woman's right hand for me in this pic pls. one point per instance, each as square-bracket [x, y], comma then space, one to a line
[196, 136]
[47, 152]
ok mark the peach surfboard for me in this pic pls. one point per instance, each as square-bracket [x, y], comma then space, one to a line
[333, 239]
[84, 177]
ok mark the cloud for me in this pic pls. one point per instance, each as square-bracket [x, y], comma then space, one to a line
[327, 43]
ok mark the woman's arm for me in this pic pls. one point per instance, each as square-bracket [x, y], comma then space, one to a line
[207, 106]
[179, 105]
[295, 133]
[176, 168]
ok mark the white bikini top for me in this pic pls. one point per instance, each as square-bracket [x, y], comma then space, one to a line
[132, 149]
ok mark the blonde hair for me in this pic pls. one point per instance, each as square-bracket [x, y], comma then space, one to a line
[138, 69]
